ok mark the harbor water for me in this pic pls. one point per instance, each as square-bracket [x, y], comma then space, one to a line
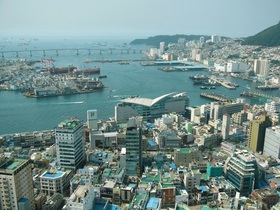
[21, 114]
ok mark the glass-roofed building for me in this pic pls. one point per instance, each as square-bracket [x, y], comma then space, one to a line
[151, 109]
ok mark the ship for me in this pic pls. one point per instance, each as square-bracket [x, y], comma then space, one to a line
[60, 70]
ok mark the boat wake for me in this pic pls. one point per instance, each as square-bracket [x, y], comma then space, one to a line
[72, 102]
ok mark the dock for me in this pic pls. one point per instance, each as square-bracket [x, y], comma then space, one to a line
[224, 83]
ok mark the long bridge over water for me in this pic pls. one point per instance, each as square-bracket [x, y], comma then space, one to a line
[77, 51]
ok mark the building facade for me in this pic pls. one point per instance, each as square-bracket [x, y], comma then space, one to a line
[242, 171]
[133, 162]
[257, 133]
[272, 142]
[16, 184]
[70, 144]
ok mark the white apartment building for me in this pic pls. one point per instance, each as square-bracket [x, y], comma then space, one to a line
[16, 184]
[272, 107]
[70, 144]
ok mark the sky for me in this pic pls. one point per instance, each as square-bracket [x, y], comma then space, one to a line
[136, 19]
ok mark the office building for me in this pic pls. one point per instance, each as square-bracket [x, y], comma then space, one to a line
[70, 144]
[151, 109]
[242, 171]
[257, 133]
[272, 143]
[133, 145]
[16, 184]
[262, 67]
[218, 109]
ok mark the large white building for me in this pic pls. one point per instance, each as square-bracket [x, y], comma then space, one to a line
[16, 184]
[218, 109]
[53, 181]
[151, 109]
[262, 67]
[272, 142]
[70, 144]
[92, 119]
[225, 126]
[272, 107]
[133, 145]
[82, 198]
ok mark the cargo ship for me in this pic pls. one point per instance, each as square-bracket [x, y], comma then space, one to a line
[60, 70]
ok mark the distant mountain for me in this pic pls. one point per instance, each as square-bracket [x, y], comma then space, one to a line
[155, 40]
[269, 37]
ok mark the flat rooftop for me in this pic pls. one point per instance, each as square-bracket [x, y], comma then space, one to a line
[53, 175]
[10, 164]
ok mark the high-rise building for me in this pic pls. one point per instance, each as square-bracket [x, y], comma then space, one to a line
[161, 47]
[242, 171]
[272, 143]
[215, 38]
[92, 119]
[257, 133]
[225, 126]
[70, 144]
[134, 147]
[261, 67]
[218, 109]
[16, 184]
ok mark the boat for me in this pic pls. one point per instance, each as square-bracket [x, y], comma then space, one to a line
[95, 70]
[123, 63]
[203, 87]
[102, 76]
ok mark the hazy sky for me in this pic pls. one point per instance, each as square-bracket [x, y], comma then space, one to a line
[136, 19]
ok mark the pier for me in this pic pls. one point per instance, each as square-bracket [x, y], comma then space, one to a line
[224, 83]
[215, 97]
[75, 51]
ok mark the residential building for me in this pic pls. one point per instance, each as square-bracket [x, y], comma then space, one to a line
[16, 184]
[82, 198]
[54, 181]
[262, 67]
[185, 156]
[70, 144]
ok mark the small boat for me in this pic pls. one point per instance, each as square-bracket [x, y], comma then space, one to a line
[102, 76]
[203, 87]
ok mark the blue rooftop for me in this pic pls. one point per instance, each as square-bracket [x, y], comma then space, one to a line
[53, 175]
[153, 203]
[172, 165]
[151, 143]
[203, 188]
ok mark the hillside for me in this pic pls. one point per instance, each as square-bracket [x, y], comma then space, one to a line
[155, 40]
[269, 37]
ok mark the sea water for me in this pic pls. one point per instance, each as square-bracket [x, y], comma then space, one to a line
[21, 114]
